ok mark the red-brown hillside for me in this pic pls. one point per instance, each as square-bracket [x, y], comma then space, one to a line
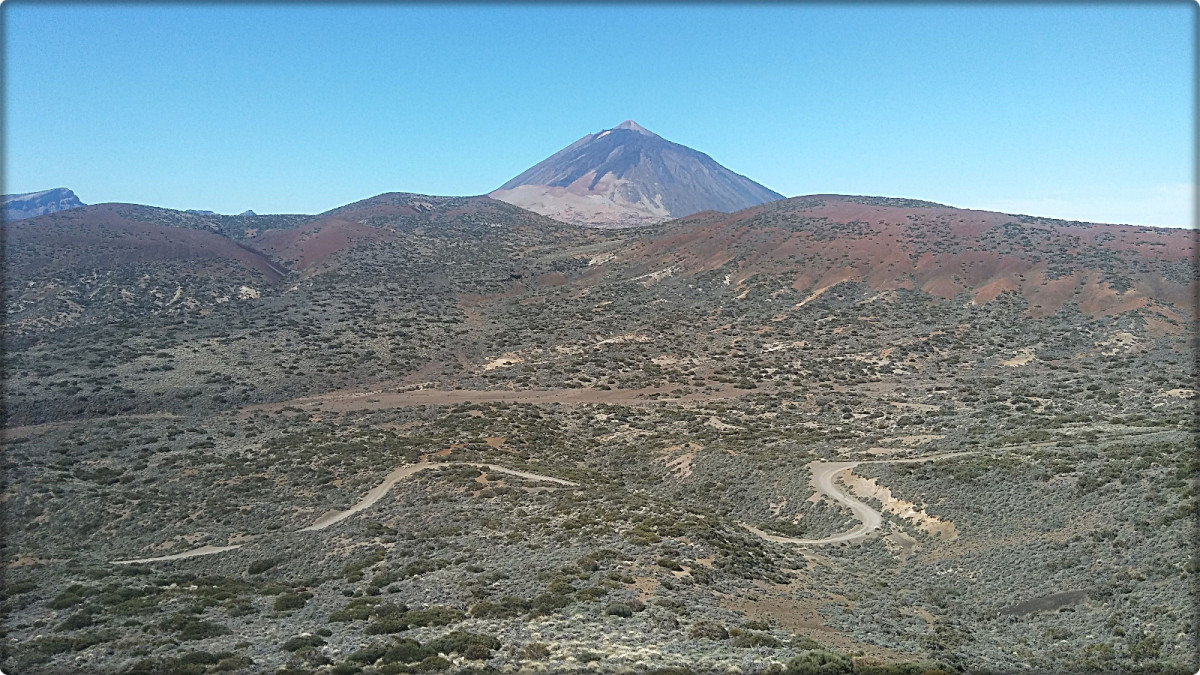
[104, 236]
[817, 241]
[306, 247]
[436, 221]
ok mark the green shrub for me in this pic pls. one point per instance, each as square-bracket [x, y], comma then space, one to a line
[386, 626]
[620, 609]
[358, 609]
[302, 642]
[819, 662]
[367, 655]
[18, 588]
[288, 601]
[406, 651]
[433, 664]
[805, 643]
[591, 593]
[549, 602]
[260, 566]
[437, 615]
[65, 599]
[389, 610]
[189, 627]
[199, 657]
[457, 642]
[504, 608]
[76, 621]
[754, 639]
[670, 564]
[237, 662]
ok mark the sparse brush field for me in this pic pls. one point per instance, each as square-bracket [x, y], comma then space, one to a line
[558, 464]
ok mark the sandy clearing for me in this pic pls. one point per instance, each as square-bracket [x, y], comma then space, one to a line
[1023, 357]
[869, 488]
[504, 361]
[716, 423]
[621, 339]
[776, 346]
[813, 296]
[681, 466]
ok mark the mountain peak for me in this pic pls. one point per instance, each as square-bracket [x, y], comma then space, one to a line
[622, 180]
[634, 126]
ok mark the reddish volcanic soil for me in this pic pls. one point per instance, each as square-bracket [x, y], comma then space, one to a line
[95, 236]
[307, 246]
[821, 240]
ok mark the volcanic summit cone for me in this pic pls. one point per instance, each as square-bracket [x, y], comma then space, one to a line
[628, 176]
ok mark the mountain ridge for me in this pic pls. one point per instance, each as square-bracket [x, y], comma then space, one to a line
[24, 205]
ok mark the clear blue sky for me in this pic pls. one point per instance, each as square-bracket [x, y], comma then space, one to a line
[1074, 111]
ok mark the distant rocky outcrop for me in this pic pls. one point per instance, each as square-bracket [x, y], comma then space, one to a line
[628, 176]
[30, 204]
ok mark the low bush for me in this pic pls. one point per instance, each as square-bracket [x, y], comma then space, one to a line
[750, 639]
[289, 601]
[302, 642]
[707, 630]
[620, 609]
[504, 608]
[457, 642]
[819, 662]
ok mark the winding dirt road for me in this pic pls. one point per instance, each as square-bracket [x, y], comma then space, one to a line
[373, 495]
[203, 550]
[823, 479]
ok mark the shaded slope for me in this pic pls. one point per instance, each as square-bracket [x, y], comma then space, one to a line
[107, 261]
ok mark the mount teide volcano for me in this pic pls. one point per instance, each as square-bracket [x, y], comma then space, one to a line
[627, 176]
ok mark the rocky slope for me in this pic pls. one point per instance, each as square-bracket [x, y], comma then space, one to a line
[30, 204]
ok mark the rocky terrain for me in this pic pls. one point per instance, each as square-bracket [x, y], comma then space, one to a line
[829, 434]
[628, 176]
[30, 204]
